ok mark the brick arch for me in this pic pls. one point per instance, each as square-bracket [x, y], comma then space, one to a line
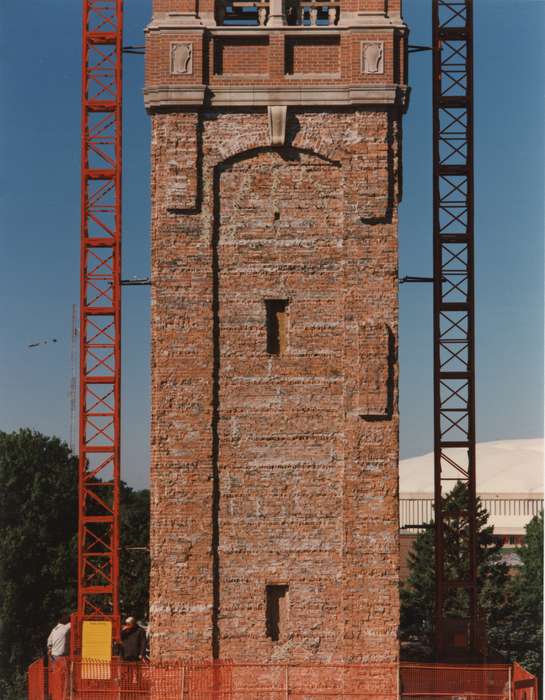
[237, 140]
[288, 152]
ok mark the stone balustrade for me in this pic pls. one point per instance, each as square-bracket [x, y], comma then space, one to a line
[263, 13]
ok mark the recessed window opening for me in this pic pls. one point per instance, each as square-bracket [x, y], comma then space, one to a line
[277, 326]
[277, 611]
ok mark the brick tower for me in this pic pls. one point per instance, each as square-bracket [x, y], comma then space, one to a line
[276, 130]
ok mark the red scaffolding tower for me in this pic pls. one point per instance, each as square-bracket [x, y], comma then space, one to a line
[100, 315]
[454, 315]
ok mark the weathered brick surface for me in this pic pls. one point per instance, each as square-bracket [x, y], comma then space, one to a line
[274, 469]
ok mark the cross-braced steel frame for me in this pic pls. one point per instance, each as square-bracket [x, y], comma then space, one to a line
[100, 313]
[454, 317]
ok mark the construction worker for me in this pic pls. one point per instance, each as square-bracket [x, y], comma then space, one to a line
[58, 642]
[133, 641]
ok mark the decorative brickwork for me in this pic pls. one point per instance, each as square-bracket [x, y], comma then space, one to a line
[274, 359]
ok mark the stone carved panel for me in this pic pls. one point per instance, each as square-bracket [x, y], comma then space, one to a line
[181, 59]
[372, 57]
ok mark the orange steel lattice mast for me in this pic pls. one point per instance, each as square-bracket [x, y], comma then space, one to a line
[100, 315]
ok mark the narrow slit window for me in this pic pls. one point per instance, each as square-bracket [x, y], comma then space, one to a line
[277, 611]
[277, 326]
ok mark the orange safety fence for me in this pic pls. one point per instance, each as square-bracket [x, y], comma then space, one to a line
[229, 681]
[58, 678]
[455, 682]
[36, 680]
[71, 679]
[524, 684]
[74, 679]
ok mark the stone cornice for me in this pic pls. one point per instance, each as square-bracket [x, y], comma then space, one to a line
[349, 21]
[256, 96]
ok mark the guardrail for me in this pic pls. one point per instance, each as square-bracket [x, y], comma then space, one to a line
[455, 681]
[36, 676]
[524, 684]
[74, 679]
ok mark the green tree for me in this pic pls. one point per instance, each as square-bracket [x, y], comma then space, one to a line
[520, 638]
[38, 549]
[134, 559]
[418, 592]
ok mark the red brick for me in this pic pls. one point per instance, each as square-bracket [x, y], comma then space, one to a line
[275, 469]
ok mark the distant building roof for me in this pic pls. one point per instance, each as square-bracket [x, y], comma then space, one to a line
[503, 466]
[509, 483]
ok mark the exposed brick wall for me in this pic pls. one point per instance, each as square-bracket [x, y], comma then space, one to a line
[241, 56]
[312, 55]
[274, 57]
[275, 469]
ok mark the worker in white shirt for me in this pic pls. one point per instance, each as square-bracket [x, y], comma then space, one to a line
[58, 642]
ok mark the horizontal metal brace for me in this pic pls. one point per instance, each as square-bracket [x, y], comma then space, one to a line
[134, 50]
[453, 101]
[101, 105]
[136, 282]
[98, 310]
[409, 279]
[453, 33]
[415, 48]
[454, 306]
[96, 174]
[445, 170]
[95, 38]
[97, 589]
[97, 520]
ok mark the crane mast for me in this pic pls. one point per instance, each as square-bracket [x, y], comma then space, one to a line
[100, 315]
[454, 315]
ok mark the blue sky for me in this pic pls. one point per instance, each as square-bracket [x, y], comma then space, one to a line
[39, 223]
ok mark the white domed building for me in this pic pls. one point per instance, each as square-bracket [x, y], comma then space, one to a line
[509, 484]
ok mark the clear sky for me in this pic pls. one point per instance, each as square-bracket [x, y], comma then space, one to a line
[39, 223]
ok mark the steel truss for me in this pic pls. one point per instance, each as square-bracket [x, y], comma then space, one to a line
[100, 314]
[454, 317]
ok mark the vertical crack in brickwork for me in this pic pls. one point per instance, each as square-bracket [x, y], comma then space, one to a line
[216, 592]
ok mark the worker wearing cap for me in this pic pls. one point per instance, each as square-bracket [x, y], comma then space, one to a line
[58, 642]
[133, 641]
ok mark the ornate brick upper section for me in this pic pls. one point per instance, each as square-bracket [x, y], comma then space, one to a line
[276, 52]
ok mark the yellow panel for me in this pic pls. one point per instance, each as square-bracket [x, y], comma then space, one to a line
[97, 640]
